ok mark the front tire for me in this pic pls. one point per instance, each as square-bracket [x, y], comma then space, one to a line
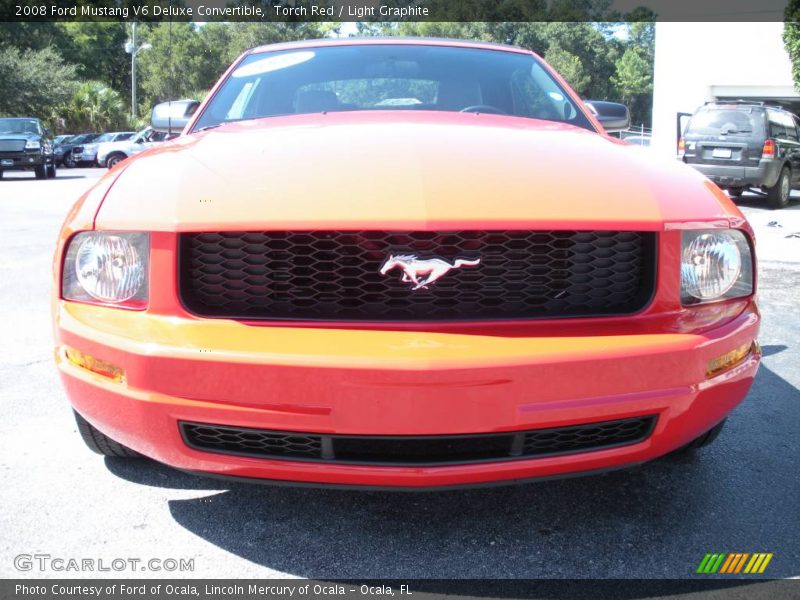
[114, 159]
[778, 194]
[69, 162]
[100, 443]
[41, 171]
[735, 192]
[51, 171]
[700, 442]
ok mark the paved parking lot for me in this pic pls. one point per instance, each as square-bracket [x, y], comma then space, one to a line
[741, 494]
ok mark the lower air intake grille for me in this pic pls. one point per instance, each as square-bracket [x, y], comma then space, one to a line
[416, 450]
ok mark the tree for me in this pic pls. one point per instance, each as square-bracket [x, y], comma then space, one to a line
[634, 75]
[177, 63]
[31, 35]
[98, 51]
[569, 66]
[633, 78]
[35, 82]
[95, 107]
[791, 38]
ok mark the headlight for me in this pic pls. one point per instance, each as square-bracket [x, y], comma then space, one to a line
[32, 145]
[715, 265]
[107, 268]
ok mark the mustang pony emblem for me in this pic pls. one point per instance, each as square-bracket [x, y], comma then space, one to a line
[432, 269]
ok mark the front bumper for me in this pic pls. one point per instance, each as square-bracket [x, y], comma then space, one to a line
[765, 174]
[84, 157]
[12, 161]
[368, 382]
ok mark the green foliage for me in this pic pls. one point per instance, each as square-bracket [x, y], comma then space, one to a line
[98, 50]
[34, 83]
[634, 74]
[95, 107]
[178, 62]
[791, 38]
[569, 66]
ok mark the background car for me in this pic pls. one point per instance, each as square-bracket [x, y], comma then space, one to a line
[110, 153]
[60, 139]
[86, 154]
[25, 144]
[63, 151]
[745, 145]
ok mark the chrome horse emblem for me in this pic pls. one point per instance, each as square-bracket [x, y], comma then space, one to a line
[423, 273]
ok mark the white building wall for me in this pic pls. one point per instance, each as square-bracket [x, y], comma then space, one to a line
[696, 62]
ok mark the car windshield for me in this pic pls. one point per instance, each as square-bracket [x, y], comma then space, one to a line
[83, 138]
[714, 121]
[390, 77]
[106, 137]
[22, 126]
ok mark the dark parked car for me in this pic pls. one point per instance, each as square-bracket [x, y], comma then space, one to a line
[745, 145]
[26, 145]
[63, 152]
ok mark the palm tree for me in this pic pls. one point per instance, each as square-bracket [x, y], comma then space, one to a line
[95, 107]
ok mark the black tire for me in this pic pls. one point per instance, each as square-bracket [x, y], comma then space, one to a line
[778, 194]
[101, 443]
[51, 171]
[735, 192]
[114, 159]
[1, 173]
[69, 162]
[41, 171]
[704, 440]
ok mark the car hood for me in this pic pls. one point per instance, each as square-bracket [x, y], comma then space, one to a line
[398, 170]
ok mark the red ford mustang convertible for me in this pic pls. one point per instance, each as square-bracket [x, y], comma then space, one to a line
[406, 264]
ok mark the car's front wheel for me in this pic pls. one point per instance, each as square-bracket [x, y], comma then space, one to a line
[41, 172]
[101, 443]
[778, 194]
[704, 440]
[735, 192]
[114, 159]
[51, 171]
[69, 162]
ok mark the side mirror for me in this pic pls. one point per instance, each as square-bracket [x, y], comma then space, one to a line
[172, 117]
[612, 115]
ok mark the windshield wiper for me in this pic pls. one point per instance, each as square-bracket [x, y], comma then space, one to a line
[206, 128]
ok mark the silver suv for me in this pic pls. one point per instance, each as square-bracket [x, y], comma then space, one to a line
[110, 153]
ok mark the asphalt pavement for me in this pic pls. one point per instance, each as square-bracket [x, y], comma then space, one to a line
[742, 494]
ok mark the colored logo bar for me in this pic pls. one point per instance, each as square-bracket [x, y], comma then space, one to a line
[734, 562]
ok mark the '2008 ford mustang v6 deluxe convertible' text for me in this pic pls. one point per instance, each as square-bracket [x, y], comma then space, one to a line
[401, 263]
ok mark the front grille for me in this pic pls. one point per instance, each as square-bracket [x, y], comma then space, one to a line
[335, 275]
[12, 145]
[416, 450]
